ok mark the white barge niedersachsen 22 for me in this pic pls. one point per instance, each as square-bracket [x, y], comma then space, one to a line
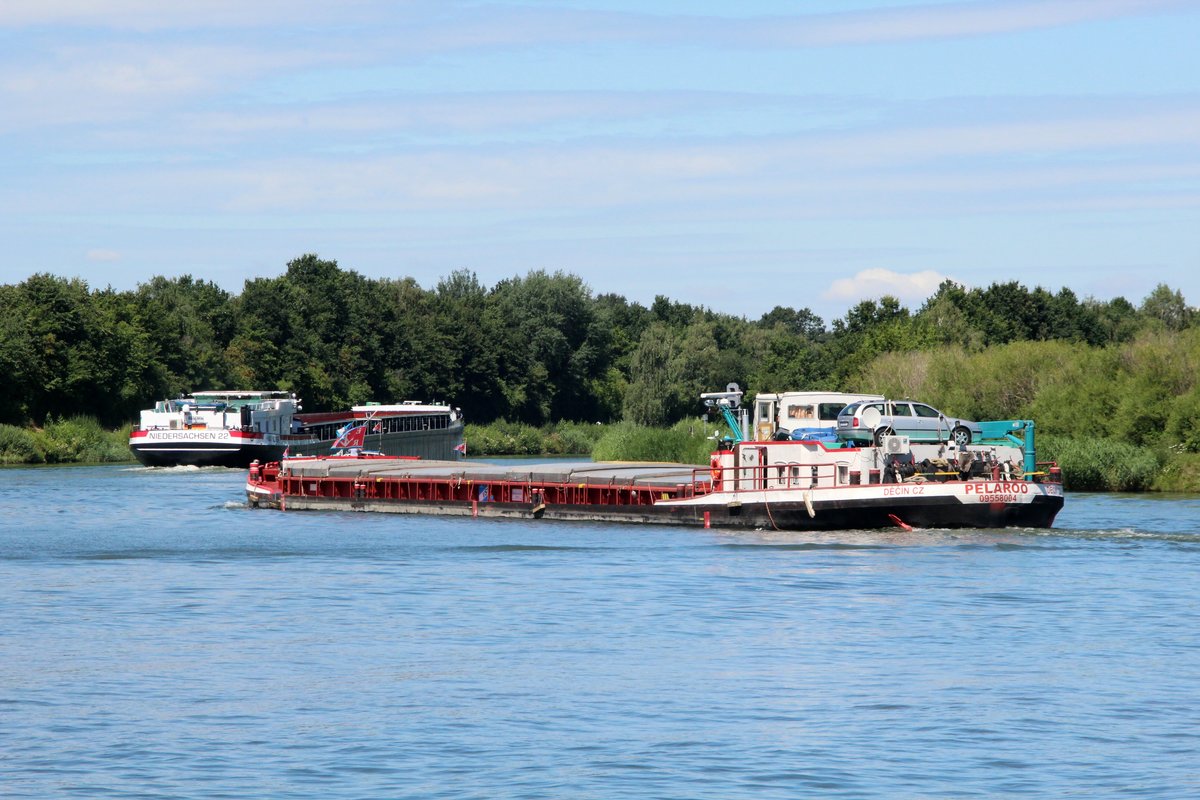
[214, 429]
[234, 428]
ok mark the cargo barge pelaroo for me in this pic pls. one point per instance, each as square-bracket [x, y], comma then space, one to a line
[772, 485]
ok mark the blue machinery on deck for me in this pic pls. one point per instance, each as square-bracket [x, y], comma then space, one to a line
[1006, 430]
[727, 401]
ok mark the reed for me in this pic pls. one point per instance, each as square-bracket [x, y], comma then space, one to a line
[83, 440]
[686, 442]
[1100, 465]
[64, 441]
[1181, 473]
[20, 446]
[502, 438]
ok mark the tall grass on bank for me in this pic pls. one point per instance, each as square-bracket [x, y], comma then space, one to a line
[1181, 473]
[20, 446]
[502, 438]
[686, 442]
[64, 441]
[1100, 465]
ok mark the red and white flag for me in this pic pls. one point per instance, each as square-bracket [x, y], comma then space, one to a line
[351, 438]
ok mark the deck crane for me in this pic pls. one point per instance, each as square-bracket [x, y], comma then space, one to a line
[728, 402]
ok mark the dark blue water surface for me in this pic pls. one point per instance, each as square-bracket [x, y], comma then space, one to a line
[160, 640]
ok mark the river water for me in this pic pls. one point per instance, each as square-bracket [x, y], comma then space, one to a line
[158, 639]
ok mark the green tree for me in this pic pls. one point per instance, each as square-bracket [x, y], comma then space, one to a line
[188, 324]
[943, 320]
[1183, 422]
[802, 323]
[1167, 308]
[652, 394]
[73, 351]
[551, 351]
[788, 363]
[1116, 319]
[18, 353]
[53, 312]
[254, 356]
[869, 329]
[1151, 373]
[673, 314]
[464, 355]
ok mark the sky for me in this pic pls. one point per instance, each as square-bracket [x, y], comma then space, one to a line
[737, 156]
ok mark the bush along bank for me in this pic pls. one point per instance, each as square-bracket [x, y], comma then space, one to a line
[686, 442]
[78, 440]
[1088, 465]
[1101, 465]
[503, 438]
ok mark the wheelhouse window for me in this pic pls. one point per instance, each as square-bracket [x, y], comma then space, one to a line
[802, 412]
[829, 411]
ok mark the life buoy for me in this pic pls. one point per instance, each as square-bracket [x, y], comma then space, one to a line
[714, 465]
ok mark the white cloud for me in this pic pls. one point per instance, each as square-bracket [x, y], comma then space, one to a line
[952, 20]
[297, 164]
[872, 284]
[439, 25]
[1116, 129]
[487, 114]
[499, 25]
[103, 256]
[519, 25]
[154, 15]
[860, 174]
[99, 85]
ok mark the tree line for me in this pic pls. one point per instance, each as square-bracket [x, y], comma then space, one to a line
[532, 349]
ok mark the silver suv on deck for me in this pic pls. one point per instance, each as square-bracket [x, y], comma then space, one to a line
[870, 420]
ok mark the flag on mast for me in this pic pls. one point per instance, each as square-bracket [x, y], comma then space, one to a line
[461, 448]
[350, 438]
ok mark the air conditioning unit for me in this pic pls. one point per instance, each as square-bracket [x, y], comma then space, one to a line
[895, 445]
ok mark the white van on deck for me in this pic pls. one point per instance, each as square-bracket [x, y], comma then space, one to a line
[801, 415]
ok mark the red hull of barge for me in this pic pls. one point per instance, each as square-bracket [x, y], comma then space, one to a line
[650, 493]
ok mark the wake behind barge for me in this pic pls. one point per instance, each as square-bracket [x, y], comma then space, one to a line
[772, 485]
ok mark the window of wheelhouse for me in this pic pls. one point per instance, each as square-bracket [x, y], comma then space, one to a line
[829, 411]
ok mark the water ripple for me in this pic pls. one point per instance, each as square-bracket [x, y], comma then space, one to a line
[160, 641]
